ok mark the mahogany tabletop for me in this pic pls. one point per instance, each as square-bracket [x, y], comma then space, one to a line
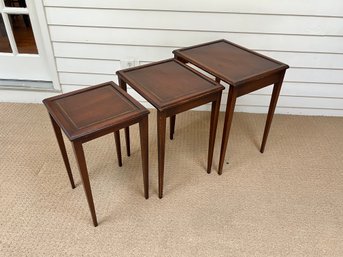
[94, 109]
[168, 83]
[230, 62]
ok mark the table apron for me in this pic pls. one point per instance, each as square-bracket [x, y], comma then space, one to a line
[251, 86]
[192, 104]
[103, 132]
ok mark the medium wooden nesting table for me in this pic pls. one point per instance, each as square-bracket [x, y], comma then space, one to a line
[172, 87]
[90, 113]
[244, 70]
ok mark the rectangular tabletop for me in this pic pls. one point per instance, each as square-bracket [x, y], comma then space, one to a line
[230, 62]
[83, 112]
[168, 83]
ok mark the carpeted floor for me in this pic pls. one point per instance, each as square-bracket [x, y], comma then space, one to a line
[285, 202]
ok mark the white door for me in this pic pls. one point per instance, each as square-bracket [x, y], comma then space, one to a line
[23, 60]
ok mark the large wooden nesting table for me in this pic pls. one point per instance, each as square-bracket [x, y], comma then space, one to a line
[244, 70]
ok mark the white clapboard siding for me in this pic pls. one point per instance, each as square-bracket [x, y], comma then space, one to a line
[288, 101]
[184, 38]
[85, 79]
[149, 54]
[92, 38]
[307, 60]
[333, 76]
[107, 67]
[302, 7]
[79, 68]
[309, 75]
[280, 110]
[306, 89]
[314, 75]
[226, 22]
[114, 51]
[284, 110]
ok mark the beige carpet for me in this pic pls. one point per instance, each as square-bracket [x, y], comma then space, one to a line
[285, 202]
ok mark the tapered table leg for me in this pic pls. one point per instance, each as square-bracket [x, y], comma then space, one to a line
[127, 140]
[230, 106]
[144, 137]
[81, 161]
[122, 84]
[118, 147]
[213, 130]
[161, 136]
[61, 144]
[273, 102]
[172, 126]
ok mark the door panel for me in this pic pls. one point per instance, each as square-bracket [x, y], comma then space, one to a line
[22, 56]
[23, 34]
[5, 46]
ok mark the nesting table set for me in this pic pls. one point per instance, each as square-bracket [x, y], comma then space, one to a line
[172, 87]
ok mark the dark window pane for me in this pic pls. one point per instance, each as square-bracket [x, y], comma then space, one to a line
[22, 31]
[15, 3]
[4, 42]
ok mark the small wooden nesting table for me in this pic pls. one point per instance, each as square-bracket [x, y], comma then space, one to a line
[244, 70]
[173, 87]
[90, 113]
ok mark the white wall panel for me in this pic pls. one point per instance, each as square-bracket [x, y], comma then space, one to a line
[87, 66]
[308, 60]
[85, 79]
[307, 90]
[314, 75]
[286, 110]
[302, 7]
[289, 101]
[148, 53]
[228, 22]
[185, 38]
[91, 38]
[121, 52]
